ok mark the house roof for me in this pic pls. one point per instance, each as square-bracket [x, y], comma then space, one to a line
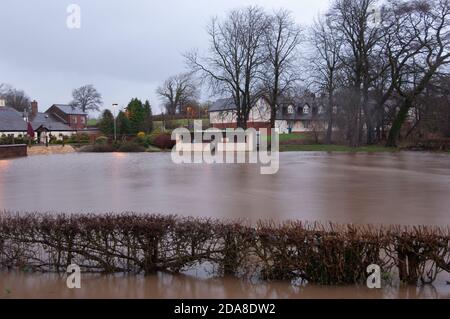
[49, 121]
[223, 105]
[11, 120]
[226, 105]
[69, 109]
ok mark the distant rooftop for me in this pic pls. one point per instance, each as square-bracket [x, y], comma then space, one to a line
[69, 109]
[11, 120]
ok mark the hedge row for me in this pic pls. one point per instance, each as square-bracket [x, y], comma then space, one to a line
[323, 254]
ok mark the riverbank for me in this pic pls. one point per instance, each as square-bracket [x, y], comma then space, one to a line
[51, 149]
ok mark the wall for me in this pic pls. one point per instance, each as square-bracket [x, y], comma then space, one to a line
[78, 122]
[8, 151]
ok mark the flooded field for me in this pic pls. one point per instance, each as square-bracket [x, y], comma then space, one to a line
[400, 188]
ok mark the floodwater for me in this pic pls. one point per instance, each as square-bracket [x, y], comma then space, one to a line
[161, 286]
[400, 188]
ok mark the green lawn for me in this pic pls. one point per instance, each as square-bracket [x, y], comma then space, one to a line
[92, 122]
[179, 123]
[335, 148]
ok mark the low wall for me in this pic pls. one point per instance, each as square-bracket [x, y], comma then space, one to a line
[15, 150]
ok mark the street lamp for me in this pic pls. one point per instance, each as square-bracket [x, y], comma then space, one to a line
[114, 106]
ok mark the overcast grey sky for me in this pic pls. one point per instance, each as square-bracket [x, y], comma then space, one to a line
[125, 48]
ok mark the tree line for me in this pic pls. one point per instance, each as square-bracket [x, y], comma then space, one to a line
[137, 117]
[85, 98]
[374, 65]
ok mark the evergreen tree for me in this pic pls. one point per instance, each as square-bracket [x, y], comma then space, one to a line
[136, 115]
[123, 124]
[148, 121]
[106, 123]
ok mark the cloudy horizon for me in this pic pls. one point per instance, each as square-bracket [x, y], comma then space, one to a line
[125, 49]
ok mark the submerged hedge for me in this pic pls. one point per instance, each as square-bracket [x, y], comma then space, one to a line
[323, 254]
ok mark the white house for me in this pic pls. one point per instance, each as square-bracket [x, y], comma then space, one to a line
[14, 123]
[295, 115]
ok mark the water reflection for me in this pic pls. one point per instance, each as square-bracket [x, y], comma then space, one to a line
[22, 285]
[403, 188]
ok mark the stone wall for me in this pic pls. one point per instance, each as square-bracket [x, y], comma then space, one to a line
[8, 151]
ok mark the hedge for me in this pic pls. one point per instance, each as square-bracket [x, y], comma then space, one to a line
[144, 244]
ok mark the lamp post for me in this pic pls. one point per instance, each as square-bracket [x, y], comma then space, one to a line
[114, 106]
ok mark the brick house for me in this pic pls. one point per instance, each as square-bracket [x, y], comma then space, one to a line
[73, 117]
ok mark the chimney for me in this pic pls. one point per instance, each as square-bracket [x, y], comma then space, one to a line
[34, 108]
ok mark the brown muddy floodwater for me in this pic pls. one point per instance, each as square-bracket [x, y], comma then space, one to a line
[400, 188]
[161, 286]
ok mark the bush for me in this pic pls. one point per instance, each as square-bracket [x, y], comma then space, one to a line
[332, 254]
[97, 148]
[164, 141]
[78, 139]
[130, 147]
[101, 140]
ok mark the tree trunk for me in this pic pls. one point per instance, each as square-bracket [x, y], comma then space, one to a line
[402, 114]
[329, 135]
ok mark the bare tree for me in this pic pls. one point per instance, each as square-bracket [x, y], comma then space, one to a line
[429, 23]
[326, 63]
[282, 39]
[235, 58]
[14, 98]
[177, 91]
[86, 98]
[351, 18]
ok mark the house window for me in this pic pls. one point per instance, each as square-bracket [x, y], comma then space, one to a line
[306, 109]
[83, 120]
[74, 120]
[290, 109]
[306, 124]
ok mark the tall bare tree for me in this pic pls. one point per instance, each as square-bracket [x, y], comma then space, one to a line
[282, 39]
[86, 98]
[351, 18]
[428, 22]
[325, 65]
[235, 58]
[177, 91]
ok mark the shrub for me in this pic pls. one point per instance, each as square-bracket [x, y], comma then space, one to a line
[164, 141]
[332, 254]
[101, 140]
[97, 148]
[141, 135]
[130, 147]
